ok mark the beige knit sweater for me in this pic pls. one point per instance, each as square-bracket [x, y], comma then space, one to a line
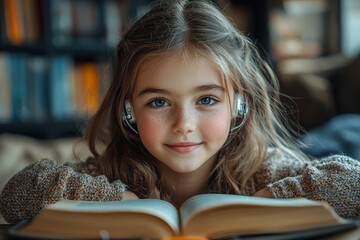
[334, 179]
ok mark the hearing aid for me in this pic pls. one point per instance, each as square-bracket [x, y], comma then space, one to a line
[241, 110]
[128, 116]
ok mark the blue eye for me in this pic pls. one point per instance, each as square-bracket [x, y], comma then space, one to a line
[159, 102]
[207, 101]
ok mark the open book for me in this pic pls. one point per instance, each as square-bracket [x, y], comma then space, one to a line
[209, 215]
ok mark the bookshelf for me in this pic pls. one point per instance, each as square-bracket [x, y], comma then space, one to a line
[54, 61]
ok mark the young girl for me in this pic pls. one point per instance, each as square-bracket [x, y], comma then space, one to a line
[191, 109]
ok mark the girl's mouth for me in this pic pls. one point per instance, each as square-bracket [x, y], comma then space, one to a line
[184, 147]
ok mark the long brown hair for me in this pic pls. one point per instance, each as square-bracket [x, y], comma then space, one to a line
[172, 26]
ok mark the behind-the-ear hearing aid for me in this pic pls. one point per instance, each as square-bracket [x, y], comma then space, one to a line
[128, 116]
[241, 109]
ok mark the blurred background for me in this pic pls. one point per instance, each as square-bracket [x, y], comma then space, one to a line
[55, 55]
[55, 63]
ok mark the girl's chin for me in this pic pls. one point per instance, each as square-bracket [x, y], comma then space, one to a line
[185, 169]
[186, 166]
[178, 169]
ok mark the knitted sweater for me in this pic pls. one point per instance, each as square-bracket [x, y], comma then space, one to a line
[335, 179]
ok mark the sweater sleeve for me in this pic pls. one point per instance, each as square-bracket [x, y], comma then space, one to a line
[334, 179]
[46, 181]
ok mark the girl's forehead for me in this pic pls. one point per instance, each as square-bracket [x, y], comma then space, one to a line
[178, 71]
[185, 58]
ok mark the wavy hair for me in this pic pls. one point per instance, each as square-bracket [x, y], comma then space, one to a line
[193, 26]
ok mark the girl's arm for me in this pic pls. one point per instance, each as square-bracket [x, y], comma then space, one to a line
[46, 181]
[264, 193]
[334, 179]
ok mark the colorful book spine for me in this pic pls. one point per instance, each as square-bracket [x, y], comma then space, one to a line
[113, 23]
[31, 12]
[91, 81]
[60, 88]
[14, 22]
[91, 21]
[61, 22]
[38, 89]
[5, 91]
[18, 75]
[79, 99]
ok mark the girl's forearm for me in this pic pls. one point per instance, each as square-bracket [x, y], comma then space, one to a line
[264, 193]
[45, 182]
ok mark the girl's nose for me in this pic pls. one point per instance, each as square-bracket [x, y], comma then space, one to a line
[184, 121]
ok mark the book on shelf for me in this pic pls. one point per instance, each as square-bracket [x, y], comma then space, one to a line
[87, 21]
[38, 89]
[14, 21]
[87, 87]
[114, 22]
[22, 20]
[22, 82]
[32, 19]
[91, 21]
[91, 86]
[5, 101]
[38, 86]
[60, 87]
[17, 66]
[61, 21]
[207, 215]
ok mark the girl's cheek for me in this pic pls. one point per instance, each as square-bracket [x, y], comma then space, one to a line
[150, 128]
[217, 127]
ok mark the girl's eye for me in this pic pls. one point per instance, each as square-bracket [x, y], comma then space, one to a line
[207, 101]
[159, 102]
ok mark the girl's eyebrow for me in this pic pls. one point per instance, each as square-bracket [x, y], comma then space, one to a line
[209, 87]
[202, 88]
[152, 90]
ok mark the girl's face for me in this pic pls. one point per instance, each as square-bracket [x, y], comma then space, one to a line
[182, 110]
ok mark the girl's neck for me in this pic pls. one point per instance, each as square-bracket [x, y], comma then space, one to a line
[181, 186]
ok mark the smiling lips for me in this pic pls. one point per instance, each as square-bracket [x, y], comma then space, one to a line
[185, 147]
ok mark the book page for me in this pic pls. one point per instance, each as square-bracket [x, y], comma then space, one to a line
[158, 208]
[206, 201]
